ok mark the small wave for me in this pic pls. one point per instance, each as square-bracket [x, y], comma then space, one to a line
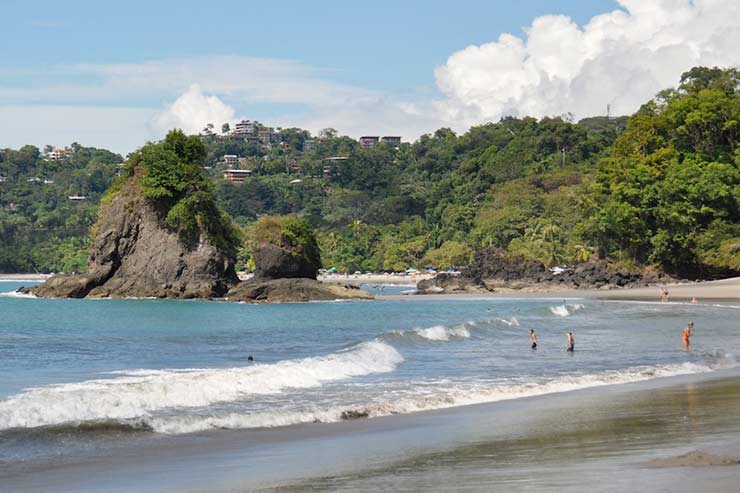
[441, 333]
[560, 310]
[16, 294]
[512, 322]
[576, 307]
[135, 394]
[460, 395]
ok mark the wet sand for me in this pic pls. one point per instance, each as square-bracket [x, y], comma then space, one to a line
[599, 440]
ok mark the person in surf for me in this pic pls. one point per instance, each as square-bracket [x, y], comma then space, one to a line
[533, 338]
[571, 342]
[688, 331]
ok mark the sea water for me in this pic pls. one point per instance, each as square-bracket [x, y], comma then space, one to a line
[165, 367]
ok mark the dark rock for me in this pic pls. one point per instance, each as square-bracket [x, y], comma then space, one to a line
[275, 262]
[292, 290]
[445, 283]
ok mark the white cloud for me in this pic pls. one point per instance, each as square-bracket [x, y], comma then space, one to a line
[120, 130]
[621, 58]
[192, 111]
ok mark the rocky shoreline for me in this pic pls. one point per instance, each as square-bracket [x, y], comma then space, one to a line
[495, 272]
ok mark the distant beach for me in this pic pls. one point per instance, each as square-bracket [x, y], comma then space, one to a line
[25, 277]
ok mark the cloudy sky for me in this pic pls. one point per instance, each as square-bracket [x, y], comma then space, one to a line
[116, 76]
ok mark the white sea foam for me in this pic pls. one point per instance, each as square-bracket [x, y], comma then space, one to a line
[135, 394]
[413, 400]
[16, 294]
[560, 310]
[442, 333]
[576, 307]
[512, 322]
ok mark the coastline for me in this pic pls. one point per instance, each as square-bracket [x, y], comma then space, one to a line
[555, 441]
[721, 290]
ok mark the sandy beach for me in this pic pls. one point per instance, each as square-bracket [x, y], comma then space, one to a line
[391, 279]
[722, 290]
[24, 277]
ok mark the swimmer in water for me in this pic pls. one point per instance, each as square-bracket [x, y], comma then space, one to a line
[571, 342]
[688, 331]
[533, 337]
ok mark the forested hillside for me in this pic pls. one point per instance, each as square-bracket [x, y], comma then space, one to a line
[661, 187]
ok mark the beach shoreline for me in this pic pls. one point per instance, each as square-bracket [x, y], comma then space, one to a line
[25, 277]
[659, 420]
[721, 290]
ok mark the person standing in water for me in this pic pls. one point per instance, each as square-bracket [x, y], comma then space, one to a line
[688, 331]
[571, 342]
[533, 337]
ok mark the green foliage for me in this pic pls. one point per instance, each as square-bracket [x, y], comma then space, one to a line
[290, 233]
[173, 180]
[41, 229]
[449, 255]
[673, 177]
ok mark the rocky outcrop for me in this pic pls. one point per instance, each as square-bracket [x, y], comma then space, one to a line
[445, 283]
[292, 290]
[278, 262]
[284, 247]
[134, 255]
[494, 270]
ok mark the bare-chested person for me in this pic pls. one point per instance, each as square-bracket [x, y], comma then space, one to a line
[571, 342]
[533, 337]
[688, 331]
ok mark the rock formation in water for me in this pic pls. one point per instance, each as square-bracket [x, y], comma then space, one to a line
[150, 244]
[287, 259]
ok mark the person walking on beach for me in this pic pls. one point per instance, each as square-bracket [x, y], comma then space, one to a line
[688, 331]
[571, 342]
[533, 337]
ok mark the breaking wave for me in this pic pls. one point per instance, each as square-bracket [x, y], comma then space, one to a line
[135, 394]
[565, 310]
[448, 394]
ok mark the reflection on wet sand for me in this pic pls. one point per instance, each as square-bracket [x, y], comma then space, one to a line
[539, 449]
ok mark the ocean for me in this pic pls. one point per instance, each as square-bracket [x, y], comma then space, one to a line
[81, 377]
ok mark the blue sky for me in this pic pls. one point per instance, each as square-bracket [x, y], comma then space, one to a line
[290, 62]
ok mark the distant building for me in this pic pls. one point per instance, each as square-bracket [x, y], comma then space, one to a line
[369, 142]
[3, 179]
[48, 182]
[34, 180]
[77, 198]
[309, 144]
[391, 140]
[231, 159]
[246, 127]
[57, 154]
[236, 175]
[268, 137]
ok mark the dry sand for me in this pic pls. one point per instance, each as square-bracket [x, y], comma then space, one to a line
[726, 289]
[24, 277]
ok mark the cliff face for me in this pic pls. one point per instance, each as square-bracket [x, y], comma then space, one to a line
[134, 255]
